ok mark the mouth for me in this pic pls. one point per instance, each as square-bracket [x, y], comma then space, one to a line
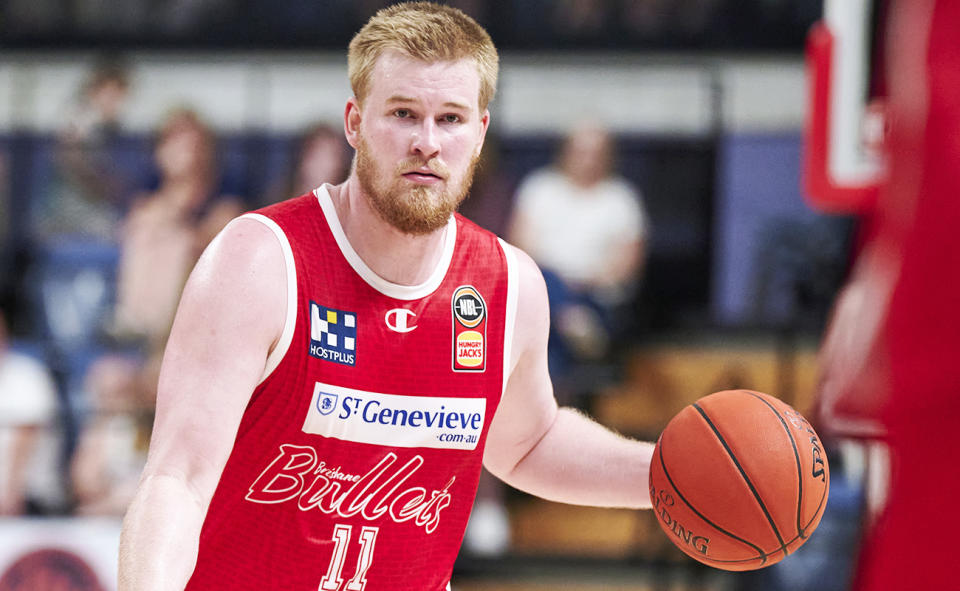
[422, 176]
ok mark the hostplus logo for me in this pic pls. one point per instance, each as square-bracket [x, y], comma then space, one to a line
[333, 334]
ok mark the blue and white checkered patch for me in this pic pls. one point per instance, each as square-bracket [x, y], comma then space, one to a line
[333, 334]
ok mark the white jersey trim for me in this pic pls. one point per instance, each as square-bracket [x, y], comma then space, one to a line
[387, 288]
[513, 288]
[290, 321]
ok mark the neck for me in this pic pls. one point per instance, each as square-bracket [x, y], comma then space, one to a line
[398, 257]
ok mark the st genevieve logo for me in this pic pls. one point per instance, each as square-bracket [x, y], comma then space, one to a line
[326, 402]
[333, 334]
[469, 329]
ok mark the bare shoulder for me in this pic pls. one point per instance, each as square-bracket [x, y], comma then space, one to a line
[530, 274]
[245, 250]
[242, 241]
[241, 275]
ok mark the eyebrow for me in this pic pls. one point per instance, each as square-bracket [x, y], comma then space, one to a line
[399, 98]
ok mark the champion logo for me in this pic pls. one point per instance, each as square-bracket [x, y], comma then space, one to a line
[400, 320]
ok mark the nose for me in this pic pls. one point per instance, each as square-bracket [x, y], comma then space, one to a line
[424, 140]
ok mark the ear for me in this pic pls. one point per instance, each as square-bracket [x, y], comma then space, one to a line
[351, 121]
[484, 124]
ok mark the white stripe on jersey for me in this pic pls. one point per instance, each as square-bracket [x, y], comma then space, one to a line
[513, 289]
[290, 321]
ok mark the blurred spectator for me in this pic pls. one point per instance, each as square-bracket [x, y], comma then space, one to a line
[112, 447]
[29, 460]
[488, 530]
[83, 198]
[323, 156]
[166, 230]
[586, 228]
[160, 241]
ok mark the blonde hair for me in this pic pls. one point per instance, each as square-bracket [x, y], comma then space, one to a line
[424, 31]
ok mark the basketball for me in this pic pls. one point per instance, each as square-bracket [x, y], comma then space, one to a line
[739, 480]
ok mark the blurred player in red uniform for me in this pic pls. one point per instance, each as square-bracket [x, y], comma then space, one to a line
[342, 362]
[891, 355]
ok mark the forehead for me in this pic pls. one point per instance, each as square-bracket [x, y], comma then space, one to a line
[395, 74]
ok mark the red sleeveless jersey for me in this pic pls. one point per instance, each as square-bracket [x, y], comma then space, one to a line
[357, 459]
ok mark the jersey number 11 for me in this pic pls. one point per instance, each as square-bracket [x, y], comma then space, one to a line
[332, 581]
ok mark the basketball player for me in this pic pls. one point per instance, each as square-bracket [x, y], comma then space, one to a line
[342, 362]
[890, 357]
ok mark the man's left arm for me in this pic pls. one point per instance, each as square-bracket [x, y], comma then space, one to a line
[557, 453]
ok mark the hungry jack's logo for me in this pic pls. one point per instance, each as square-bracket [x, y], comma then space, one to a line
[469, 329]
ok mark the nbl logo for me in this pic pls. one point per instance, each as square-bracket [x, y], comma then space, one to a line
[468, 307]
[469, 329]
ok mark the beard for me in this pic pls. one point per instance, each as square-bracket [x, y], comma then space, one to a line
[413, 210]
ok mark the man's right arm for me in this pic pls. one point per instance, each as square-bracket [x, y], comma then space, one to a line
[230, 317]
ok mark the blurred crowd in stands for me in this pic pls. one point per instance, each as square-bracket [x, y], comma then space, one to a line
[101, 250]
[514, 24]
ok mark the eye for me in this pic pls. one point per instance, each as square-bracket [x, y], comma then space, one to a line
[451, 118]
[401, 113]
